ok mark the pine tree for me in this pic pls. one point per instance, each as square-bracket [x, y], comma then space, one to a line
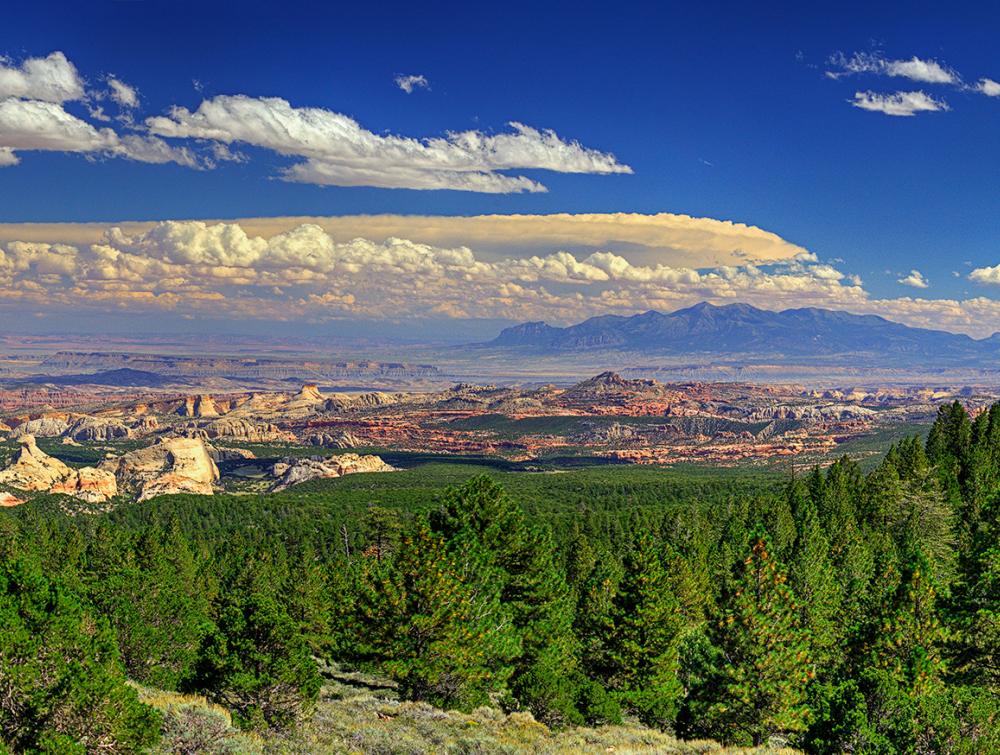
[307, 599]
[593, 624]
[903, 681]
[381, 529]
[820, 595]
[151, 596]
[256, 662]
[643, 643]
[480, 518]
[767, 666]
[62, 686]
[439, 631]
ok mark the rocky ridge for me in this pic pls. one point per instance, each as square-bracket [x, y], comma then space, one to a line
[35, 470]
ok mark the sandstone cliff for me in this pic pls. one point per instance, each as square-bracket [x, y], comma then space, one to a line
[342, 439]
[293, 471]
[33, 469]
[247, 431]
[172, 465]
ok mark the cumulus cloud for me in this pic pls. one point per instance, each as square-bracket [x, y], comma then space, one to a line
[987, 275]
[914, 279]
[123, 94]
[898, 103]
[410, 82]
[337, 150]
[989, 87]
[328, 148]
[662, 238]
[219, 268]
[914, 69]
[49, 79]
[198, 268]
[27, 125]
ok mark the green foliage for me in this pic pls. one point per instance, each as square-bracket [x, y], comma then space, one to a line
[758, 690]
[840, 612]
[62, 687]
[256, 663]
[152, 595]
[435, 625]
[487, 531]
[643, 639]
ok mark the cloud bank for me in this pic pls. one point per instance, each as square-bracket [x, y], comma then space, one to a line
[194, 268]
[663, 238]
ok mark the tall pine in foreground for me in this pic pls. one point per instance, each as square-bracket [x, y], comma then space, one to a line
[643, 643]
[436, 628]
[480, 518]
[763, 652]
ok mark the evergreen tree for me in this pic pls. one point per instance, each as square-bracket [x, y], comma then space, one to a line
[643, 644]
[381, 528]
[767, 668]
[903, 681]
[308, 601]
[437, 629]
[256, 662]
[480, 518]
[62, 687]
[151, 596]
[594, 622]
[820, 595]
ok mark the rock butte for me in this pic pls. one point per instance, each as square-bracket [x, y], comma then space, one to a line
[33, 469]
[169, 466]
[293, 471]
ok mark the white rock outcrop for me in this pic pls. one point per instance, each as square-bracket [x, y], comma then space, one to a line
[169, 466]
[33, 469]
[294, 471]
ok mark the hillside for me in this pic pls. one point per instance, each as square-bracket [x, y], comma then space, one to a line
[362, 713]
[806, 333]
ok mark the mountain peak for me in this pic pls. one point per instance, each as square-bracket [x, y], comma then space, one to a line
[741, 329]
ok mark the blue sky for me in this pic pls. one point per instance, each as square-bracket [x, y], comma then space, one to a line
[721, 111]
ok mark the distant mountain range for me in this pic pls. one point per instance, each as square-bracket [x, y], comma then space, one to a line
[740, 329]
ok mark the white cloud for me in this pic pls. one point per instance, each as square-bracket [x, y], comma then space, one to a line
[50, 79]
[123, 94]
[987, 275]
[410, 82]
[989, 87]
[27, 125]
[332, 149]
[899, 103]
[915, 279]
[339, 151]
[216, 270]
[914, 69]
[658, 239]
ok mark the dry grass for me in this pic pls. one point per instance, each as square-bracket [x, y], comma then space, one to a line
[357, 714]
[193, 725]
